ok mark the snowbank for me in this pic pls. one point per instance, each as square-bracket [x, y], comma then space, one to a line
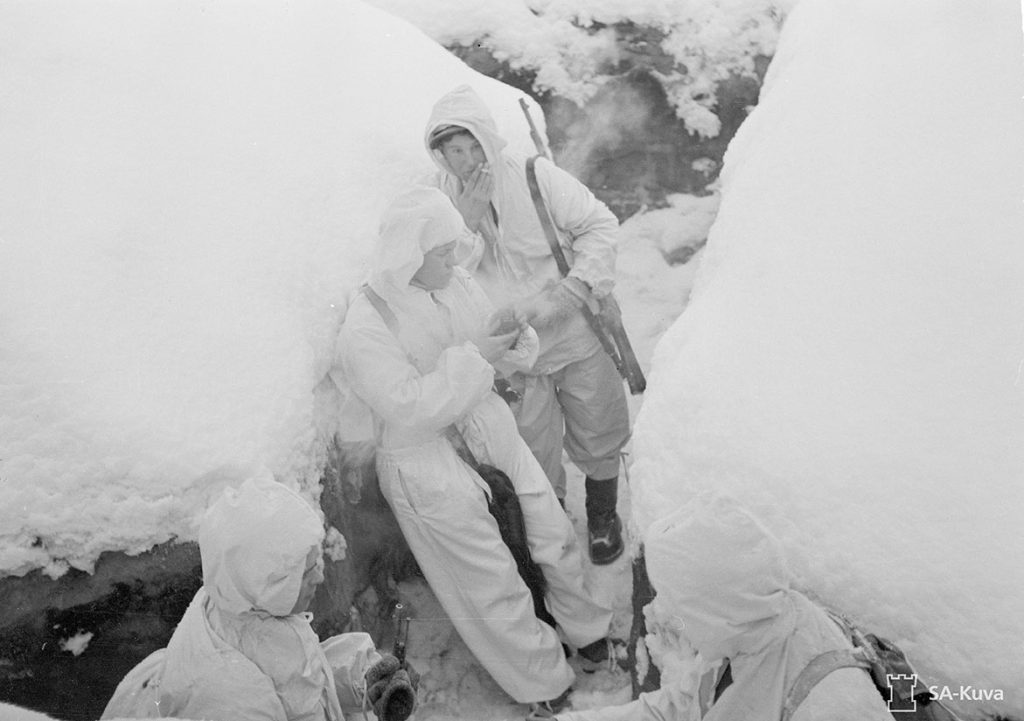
[850, 363]
[573, 46]
[187, 191]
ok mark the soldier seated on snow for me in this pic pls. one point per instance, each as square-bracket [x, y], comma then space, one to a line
[724, 588]
[420, 347]
[244, 648]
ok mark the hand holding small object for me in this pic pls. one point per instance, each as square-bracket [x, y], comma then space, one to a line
[554, 304]
[493, 347]
[475, 198]
[507, 319]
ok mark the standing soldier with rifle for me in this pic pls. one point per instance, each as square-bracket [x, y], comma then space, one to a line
[550, 252]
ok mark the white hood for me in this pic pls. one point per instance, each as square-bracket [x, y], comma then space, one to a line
[254, 542]
[724, 576]
[414, 223]
[464, 108]
[721, 573]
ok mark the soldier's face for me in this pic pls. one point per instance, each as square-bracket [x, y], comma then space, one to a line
[464, 154]
[436, 271]
[312, 577]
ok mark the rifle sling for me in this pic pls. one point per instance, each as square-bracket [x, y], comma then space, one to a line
[451, 432]
[382, 308]
[545, 217]
[818, 668]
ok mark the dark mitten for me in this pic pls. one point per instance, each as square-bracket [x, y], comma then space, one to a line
[414, 677]
[396, 699]
[377, 677]
[380, 670]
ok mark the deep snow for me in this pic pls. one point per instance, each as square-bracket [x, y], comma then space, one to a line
[570, 45]
[189, 190]
[849, 365]
[187, 193]
[179, 232]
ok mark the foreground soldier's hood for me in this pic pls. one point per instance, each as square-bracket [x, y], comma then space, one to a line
[415, 222]
[254, 542]
[723, 575]
[464, 108]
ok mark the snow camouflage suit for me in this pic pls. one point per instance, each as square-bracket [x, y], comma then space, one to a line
[722, 582]
[419, 383]
[239, 652]
[573, 380]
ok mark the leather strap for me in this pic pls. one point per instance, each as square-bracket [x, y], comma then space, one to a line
[458, 441]
[382, 308]
[544, 215]
[820, 667]
[452, 433]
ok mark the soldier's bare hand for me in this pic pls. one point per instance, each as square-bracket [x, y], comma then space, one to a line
[474, 200]
[493, 347]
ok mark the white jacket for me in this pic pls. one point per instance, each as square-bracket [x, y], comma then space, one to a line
[239, 652]
[722, 582]
[434, 376]
[511, 258]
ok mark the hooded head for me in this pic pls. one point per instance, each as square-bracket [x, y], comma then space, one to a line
[415, 223]
[254, 542]
[723, 575]
[461, 109]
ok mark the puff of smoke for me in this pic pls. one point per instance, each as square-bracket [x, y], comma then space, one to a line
[616, 115]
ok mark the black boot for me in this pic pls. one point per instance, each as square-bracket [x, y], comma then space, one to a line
[604, 653]
[603, 524]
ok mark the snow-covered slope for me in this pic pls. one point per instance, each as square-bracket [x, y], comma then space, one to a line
[574, 46]
[187, 189]
[850, 363]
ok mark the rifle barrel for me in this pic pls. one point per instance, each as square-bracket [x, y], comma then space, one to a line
[401, 633]
[538, 141]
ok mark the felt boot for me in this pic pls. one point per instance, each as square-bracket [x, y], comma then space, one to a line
[603, 524]
[604, 653]
[544, 710]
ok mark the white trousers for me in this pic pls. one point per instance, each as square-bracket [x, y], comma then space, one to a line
[441, 508]
[581, 407]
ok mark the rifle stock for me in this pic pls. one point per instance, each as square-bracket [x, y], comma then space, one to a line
[626, 362]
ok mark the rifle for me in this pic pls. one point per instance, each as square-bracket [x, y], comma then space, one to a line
[401, 634]
[535, 136]
[607, 321]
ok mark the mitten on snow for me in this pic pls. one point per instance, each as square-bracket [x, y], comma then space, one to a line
[391, 689]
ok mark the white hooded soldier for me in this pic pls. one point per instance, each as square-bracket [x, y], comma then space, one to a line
[244, 648]
[573, 396]
[723, 586]
[429, 369]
